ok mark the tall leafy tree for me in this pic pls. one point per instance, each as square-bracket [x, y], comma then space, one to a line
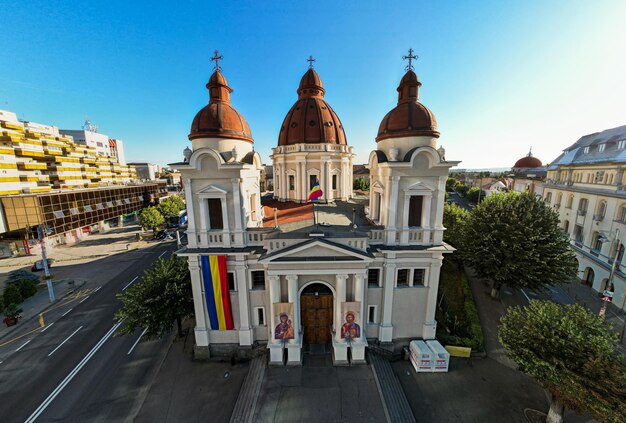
[162, 297]
[514, 239]
[151, 218]
[171, 207]
[454, 218]
[572, 354]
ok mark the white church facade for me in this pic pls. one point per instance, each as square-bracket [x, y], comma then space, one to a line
[354, 271]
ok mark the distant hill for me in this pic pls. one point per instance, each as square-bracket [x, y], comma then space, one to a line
[487, 169]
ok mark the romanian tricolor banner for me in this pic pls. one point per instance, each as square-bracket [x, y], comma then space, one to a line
[316, 192]
[215, 281]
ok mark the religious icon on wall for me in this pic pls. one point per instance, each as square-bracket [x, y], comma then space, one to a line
[350, 329]
[284, 326]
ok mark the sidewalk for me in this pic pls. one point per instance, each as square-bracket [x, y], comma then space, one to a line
[69, 266]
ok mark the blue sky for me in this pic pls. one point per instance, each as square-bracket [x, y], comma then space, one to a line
[500, 76]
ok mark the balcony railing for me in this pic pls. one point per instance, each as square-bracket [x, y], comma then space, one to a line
[581, 212]
[598, 217]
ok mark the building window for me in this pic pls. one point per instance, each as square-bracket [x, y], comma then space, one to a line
[601, 148]
[621, 144]
[110, 204]
[621, 215]
[548, 198]
[402, 278]
[373, 277]
[371, 314]
[586, 150]
[215, 213]
[601, 211]
[312, 181]
[578, 235]
[99, 206]
[58, 214]
[582, 206]
[87, 208]
[259, 316]
[566, 226]
[334, 181]
[231, 281]
[596, 244]
[74, 211]
[291, 183]
[418, 276]
[570, 200]
[258, 279]
[415, 210]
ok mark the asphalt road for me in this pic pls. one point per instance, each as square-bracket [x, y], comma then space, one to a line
[73, 369]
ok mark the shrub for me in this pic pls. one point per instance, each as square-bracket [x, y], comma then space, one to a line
[458, 319]
[27, 288]
[12, 295]
[18, 275]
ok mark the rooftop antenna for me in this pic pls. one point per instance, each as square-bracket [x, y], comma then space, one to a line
[88, 126]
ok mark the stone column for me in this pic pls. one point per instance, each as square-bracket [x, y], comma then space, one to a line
[246, 336]
[192, 238]
[304, 183]
[204, 221]
[427, 227]
[330, 196]
[238, 215]
[359, 295]
[275, 347]
[386, 328]
[293, 352]
[201, 331]
[341, 298]
[429, 328]
[392, 211]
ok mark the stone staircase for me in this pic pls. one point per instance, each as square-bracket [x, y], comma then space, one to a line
[249, 393]
[394, 400]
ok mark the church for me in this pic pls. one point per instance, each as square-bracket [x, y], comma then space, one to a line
[335, 274]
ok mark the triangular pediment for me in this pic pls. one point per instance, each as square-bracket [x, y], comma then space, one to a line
[378, 185]
[419, 186]
[317, 250]
[211, 191]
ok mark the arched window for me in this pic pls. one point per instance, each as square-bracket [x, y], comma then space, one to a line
[600, 211]
[558, 199]
[548, 198]
[570, 200]
[621, 213]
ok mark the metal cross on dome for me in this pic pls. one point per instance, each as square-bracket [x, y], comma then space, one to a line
[310, 60]
[410, 57]
[217, 58]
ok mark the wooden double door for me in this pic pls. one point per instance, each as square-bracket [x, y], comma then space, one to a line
[317, 317]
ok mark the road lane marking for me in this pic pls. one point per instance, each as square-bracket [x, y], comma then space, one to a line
[46, 327]
[84, 299]
[97, 289]
[130, 283]
[66, 339]
[64, 314]
[137, 341]
[19, 337]
[23, 345]
[72, 374]
[525, 295]
[162, 254]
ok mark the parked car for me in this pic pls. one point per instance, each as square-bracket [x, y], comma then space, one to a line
[38, 265]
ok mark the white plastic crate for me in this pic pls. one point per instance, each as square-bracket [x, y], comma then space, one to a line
[441, 357]
[421, 356]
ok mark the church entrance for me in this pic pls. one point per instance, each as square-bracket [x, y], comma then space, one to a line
[316, 305]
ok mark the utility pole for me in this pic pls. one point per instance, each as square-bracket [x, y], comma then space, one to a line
[44, 259]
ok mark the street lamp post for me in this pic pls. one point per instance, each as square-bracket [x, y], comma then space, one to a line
[609, 282]
[44, 259]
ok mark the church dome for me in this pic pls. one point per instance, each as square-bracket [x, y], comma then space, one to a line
[528, 161]
[219, 119]
[311, 120]
[409, 117]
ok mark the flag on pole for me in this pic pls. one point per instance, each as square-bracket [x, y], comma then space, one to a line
[316, 192]
[216, 292]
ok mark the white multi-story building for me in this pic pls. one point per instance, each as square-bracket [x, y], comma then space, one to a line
[350, 272]
[586, 185]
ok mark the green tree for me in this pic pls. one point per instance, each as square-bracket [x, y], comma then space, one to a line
[454, 217]
[361, 183]
[572, 354]
[171, 207]
[162, 297]
[451, 184]
[472, 194]
[12, 295]
[462, 189]
[514, 239]
[151, 218]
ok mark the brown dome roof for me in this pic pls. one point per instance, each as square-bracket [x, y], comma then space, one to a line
[409, 117]
[219, 119]
[311, 120]
[528, 161]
